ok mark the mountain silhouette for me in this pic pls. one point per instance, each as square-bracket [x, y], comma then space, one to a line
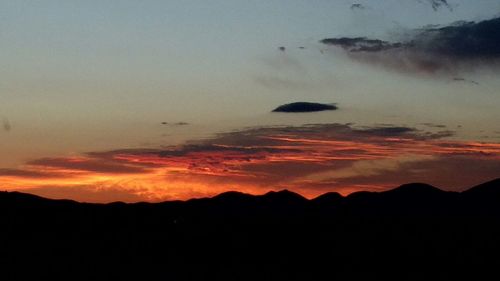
[483, 198]
[328, 198]
[413, 232]
[415, 189]
[487, 189]
[18, 199]
[283, 197]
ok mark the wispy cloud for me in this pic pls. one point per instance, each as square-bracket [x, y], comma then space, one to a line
[283, 71]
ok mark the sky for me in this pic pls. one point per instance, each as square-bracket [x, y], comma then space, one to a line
[151, 100]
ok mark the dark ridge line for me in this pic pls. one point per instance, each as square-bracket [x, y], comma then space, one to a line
[489, 188]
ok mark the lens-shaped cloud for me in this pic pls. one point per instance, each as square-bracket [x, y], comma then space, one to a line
[298, 107]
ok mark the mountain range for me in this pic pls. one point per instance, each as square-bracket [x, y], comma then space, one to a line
[412, 232]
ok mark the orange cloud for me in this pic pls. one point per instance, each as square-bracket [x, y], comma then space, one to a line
[310, 160]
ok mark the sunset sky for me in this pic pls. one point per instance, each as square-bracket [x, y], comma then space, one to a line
[153, 100]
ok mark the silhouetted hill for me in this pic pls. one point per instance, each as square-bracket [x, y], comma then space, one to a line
[18, 199]
[491, 188]
[413, 232]
[284, 197]
[328, 198]
[233, 196]
[415, 189]
[483, 198]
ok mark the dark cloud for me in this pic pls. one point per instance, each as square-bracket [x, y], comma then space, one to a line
[109, 155]
[436, 4]
[258, 136]
[462, 40]
[175, 123]
[449, 49]
[217, 147]
[6, 124]
[432, 125]
[413, 133]
[27, 174]
[401, 131]
[460, 79]
[299, 107]
[271, 153]
[388, 131]
[357, 6]
[361, 44]
[243, 145]
[439, 135]
[88, 165]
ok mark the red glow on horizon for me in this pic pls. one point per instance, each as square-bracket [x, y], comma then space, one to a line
[156, 175]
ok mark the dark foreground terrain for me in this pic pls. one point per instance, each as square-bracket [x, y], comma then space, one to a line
[414, 232]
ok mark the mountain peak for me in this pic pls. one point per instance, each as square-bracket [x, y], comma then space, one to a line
[284, 194]
[488, 188]
[232, 195]
[414, 188]
[328, 197]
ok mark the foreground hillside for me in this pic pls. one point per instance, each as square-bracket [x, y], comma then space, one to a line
[414, 232]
